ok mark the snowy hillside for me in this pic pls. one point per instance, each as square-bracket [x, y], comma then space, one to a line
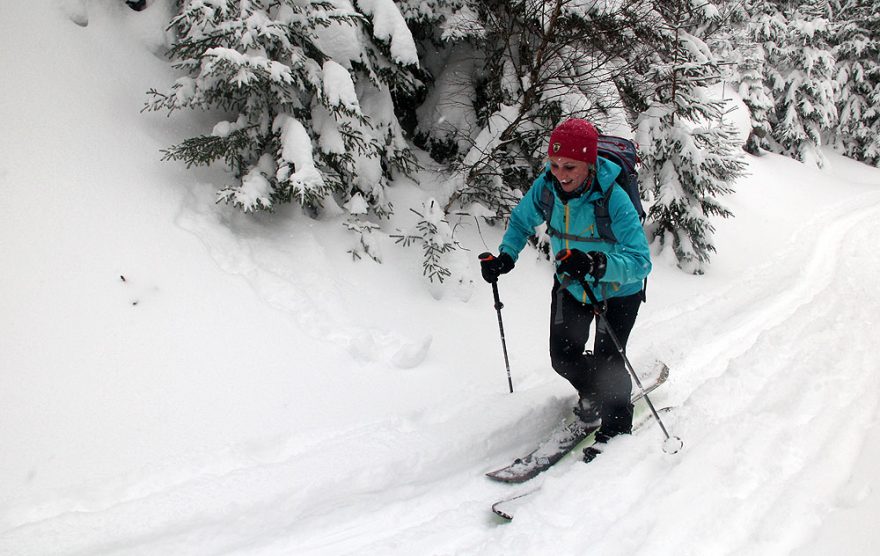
[179, 378]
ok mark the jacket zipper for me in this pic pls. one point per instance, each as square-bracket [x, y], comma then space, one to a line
[567, 245]
[567, 231]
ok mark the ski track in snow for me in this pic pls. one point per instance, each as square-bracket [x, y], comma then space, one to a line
[740, 424]
[758, 408]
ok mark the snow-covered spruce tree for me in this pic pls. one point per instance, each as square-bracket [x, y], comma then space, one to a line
[857, 52]
[447, 35]
[305, 90]
[800, 73]
[689, 157]
[748, 27]
[769, 30]
[755, 96]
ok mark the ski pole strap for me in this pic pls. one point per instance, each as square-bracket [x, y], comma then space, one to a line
[599, 307]
[558, 317]
[591, 296]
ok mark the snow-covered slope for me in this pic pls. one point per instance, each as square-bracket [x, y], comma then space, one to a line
[248, 389]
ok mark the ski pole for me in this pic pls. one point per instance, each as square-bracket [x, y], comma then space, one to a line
[498, 307]
[672, 444]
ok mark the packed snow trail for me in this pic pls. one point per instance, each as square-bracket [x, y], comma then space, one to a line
[775, 389]
[772, 436]
[716, 327]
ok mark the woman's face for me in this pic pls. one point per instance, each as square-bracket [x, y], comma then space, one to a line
[571, 173]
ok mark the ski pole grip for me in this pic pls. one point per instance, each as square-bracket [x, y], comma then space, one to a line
[490, 257]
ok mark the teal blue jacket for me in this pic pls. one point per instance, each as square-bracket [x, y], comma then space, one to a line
[629, 258]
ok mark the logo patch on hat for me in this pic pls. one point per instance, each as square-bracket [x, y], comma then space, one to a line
[556, 147]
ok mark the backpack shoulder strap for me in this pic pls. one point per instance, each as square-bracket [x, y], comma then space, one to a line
[603, 215]
[546, 201]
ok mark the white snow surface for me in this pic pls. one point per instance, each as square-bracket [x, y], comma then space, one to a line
[180, 378]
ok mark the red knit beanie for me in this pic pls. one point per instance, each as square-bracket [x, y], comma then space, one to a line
[575, 139]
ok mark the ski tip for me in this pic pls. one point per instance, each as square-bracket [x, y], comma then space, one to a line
[497, 475]
[498, 508]
[502, 477]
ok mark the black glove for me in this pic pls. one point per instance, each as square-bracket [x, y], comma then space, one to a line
[578, 264]
[492, 267]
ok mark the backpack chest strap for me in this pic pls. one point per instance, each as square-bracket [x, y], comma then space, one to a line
[553, 232]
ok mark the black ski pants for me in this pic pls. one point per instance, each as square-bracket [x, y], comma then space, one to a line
[600, 376]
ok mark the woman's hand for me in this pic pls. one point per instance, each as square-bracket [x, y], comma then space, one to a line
[492, 267]
[579, 265]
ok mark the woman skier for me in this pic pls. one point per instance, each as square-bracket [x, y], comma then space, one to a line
[614, 269]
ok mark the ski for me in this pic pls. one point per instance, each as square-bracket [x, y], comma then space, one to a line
[562, 440]
[505, 508]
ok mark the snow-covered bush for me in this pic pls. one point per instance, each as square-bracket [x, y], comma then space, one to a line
[304, 92]
[435, 236]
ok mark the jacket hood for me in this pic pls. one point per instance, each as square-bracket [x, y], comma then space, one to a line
[606, 172]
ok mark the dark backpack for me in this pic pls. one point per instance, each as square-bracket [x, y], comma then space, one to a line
[621, 152]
